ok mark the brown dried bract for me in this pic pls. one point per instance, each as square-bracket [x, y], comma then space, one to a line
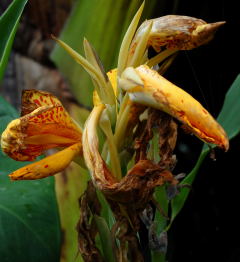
[125, 230]
[86, 229]
[136, 188]
[167, 130]
[167, 139]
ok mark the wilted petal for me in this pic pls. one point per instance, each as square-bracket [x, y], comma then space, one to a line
[46, 127]
[49, 165]
[176, 32]
[99, 171]
[147, 87]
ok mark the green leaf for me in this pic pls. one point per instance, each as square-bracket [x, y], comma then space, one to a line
[230, 121]
[178, 202]
[70, 185]
[161, 217]
[229, 115]
[160, 220]
[29, 221]
[106, 211]
[8, 26]
[105, 237]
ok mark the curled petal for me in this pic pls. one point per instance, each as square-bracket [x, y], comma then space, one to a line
[99, 171]
[147, 87]
[137, 186]
[176, 32]
[49, 165]
[46, 127]
[32, 99]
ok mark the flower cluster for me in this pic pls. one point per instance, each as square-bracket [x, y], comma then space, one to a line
[122, 100]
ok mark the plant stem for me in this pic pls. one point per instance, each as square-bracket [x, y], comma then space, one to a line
[158, 257]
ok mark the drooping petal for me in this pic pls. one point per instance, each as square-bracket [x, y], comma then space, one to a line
[147, 87]
[33, 99]
[46, 127]
[99, 171]
[176, 32]
[49, 165]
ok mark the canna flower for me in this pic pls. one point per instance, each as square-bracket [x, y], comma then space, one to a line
[167, 35]
[147, 87]
[120, 96]
[44, 125]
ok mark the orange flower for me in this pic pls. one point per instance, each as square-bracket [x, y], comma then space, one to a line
[44, 124]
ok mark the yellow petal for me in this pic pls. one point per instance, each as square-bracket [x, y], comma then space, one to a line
[154, 90]
[112, 75]
[32, 99]
[47, 166]
[176, 32]
[46, 127]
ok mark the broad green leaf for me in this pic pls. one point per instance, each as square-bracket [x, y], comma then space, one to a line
[103, 23]
[8, 26]
[29, 221]
[70, 185]
[230, 121]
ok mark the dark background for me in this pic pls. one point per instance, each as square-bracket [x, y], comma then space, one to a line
[207, 229]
